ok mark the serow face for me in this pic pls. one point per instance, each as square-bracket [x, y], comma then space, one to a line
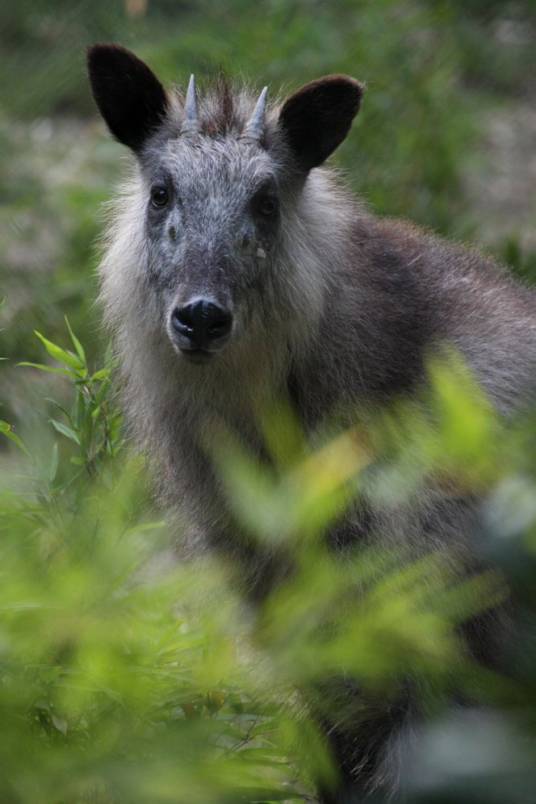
[212, 222]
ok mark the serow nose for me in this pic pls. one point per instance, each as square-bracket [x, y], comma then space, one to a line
[202, 325]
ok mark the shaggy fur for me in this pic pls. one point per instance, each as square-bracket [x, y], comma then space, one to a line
[334, 307]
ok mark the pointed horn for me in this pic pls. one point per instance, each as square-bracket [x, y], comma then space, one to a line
[254, 128]
[190, 123]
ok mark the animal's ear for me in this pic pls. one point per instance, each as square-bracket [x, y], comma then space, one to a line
[317, 118]
[130, 97]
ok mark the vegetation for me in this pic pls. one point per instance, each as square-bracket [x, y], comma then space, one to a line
[129, 676]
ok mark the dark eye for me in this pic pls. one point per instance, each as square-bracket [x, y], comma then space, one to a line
[266, 206]
[159, 197]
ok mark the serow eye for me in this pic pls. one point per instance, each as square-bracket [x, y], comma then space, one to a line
[159, 197]
[266, 206]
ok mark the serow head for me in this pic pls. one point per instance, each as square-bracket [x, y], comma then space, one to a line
[221, 178]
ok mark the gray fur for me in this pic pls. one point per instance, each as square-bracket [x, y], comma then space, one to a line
[331, 304]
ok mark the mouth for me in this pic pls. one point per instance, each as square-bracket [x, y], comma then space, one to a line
[197, 356]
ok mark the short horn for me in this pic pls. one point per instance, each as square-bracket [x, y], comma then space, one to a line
[190, 124]
[254, 128]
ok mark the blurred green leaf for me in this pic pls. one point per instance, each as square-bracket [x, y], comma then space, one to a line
[68, 432]
[61, 355]
[7, 430]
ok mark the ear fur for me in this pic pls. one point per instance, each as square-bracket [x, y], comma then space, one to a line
[317, 118]
[130, 97]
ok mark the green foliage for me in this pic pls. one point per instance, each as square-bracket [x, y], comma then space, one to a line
[6, 429]
[130, 675]
[93, 423]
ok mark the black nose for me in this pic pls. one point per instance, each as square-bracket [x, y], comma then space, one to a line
[202, 324]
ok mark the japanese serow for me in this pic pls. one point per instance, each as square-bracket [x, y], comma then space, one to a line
[238, 271]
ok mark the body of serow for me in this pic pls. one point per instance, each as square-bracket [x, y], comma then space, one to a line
[238, 272]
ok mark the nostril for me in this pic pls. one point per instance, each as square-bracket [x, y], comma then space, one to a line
[220, 323]
[182, 320]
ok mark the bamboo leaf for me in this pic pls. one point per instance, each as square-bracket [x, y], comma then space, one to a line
[7, 429]
[48, 369]
[61, 355]
[54, 463]
[101, 374]
[76, 343]
[68, 432]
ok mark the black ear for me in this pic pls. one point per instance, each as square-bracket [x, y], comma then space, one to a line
[130, 97]
[317, 118]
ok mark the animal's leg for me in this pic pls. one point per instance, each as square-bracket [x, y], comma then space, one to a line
[367, 749]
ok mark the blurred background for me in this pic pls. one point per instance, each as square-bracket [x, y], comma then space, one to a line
[114, 689]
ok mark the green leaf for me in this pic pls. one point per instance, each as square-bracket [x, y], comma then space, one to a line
[48, 369]
[54, 463]
[68, 432]
[61, 355]
[103, 391]
[101, 374]
[7, 429]
[77, 345]
[58, 406]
